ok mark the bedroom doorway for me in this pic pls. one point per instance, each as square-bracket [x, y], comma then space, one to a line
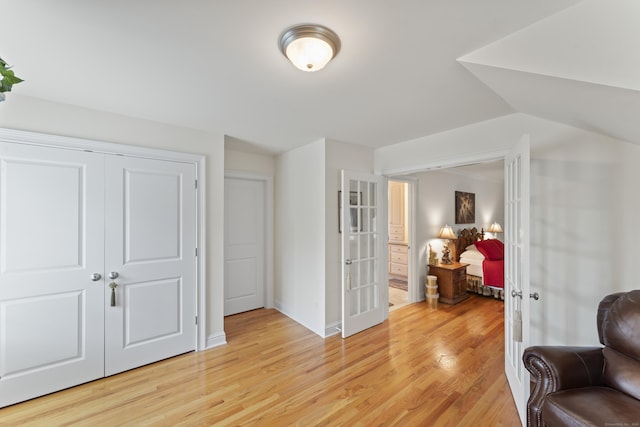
[517, 225]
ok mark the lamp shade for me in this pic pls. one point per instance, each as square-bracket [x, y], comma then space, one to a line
[446, 232]
[309, 47]
[495, 228]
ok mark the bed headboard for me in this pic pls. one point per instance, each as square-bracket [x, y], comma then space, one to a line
[465, 238]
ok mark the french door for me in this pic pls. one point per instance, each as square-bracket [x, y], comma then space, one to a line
[364, 298]
[516, 271]
[72, 223]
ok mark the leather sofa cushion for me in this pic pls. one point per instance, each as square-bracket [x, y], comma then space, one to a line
[621, 328]
[590, 406]
[621, 372]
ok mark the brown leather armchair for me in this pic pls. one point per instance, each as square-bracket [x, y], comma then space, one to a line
[591, 386]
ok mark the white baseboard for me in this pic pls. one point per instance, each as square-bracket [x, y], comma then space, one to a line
[216, 340]
[332, 329]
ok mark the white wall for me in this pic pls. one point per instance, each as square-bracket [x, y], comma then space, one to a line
[583, 213]
[299, 286]
[249, 162]
[436, 207]
[31, 114]
[339, 156]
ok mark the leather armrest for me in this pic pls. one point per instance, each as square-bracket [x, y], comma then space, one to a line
[559, 368]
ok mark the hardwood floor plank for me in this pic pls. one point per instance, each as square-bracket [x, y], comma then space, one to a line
[439, 366]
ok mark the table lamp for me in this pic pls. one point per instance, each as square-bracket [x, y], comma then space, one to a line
[495, 228]
[447, 234]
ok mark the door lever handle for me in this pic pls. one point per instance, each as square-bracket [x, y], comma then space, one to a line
[113, 286]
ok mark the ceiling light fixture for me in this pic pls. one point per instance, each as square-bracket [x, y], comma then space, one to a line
[309, 47]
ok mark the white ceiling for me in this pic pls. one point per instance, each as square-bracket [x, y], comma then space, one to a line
[215, 65]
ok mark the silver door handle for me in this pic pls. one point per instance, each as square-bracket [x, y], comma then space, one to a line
[113, 275]
[96, 276]
[516, 294]
[535, 296]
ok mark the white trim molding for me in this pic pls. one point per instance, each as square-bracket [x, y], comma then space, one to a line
[216, 340]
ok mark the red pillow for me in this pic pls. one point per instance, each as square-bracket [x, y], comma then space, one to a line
[492, 249]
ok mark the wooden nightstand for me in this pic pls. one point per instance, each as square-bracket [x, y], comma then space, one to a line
[452, 281]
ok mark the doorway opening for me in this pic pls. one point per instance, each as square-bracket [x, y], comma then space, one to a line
[398, 247]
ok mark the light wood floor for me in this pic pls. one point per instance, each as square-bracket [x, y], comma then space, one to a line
[398, 298]
[423, 367]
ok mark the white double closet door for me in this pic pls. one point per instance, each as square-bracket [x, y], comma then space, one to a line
[69, 219]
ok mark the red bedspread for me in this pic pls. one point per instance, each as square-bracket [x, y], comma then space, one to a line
[493, 272]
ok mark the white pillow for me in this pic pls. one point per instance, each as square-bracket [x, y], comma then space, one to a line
[472, 254]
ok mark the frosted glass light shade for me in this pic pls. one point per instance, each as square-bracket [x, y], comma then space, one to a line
[309, 47]
[309, 54]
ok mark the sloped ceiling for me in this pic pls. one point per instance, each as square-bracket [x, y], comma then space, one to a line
[214, 65]
[580, 66]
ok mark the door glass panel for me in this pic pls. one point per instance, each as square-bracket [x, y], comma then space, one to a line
[364, 216]
[372, 220]
[372, 193]
[353, 247]
[353, 220]
[353, 193]
[355, 279]
[375, 270]
[364, 245]
[364, 193]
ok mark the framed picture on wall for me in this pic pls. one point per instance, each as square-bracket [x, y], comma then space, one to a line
[465, 208]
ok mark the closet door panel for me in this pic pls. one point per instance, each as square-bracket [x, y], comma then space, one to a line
[51, 242]
[150, 233]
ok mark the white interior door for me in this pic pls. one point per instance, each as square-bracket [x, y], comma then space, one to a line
[244, 263]
[364, 260]
[150, 237]
[51, 242]
[516, 308]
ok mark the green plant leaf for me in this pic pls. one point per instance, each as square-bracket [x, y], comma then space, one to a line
[8, 77]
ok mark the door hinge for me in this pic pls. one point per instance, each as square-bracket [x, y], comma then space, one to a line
[196, 184]
[196, 252]
[196, 320]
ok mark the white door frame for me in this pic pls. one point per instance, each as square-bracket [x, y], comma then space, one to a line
[268, 227]
[413, 288]
[69, 143]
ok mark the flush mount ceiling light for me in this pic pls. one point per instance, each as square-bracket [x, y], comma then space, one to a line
[309, 47]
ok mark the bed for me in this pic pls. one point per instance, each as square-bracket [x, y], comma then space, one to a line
[485, 272]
